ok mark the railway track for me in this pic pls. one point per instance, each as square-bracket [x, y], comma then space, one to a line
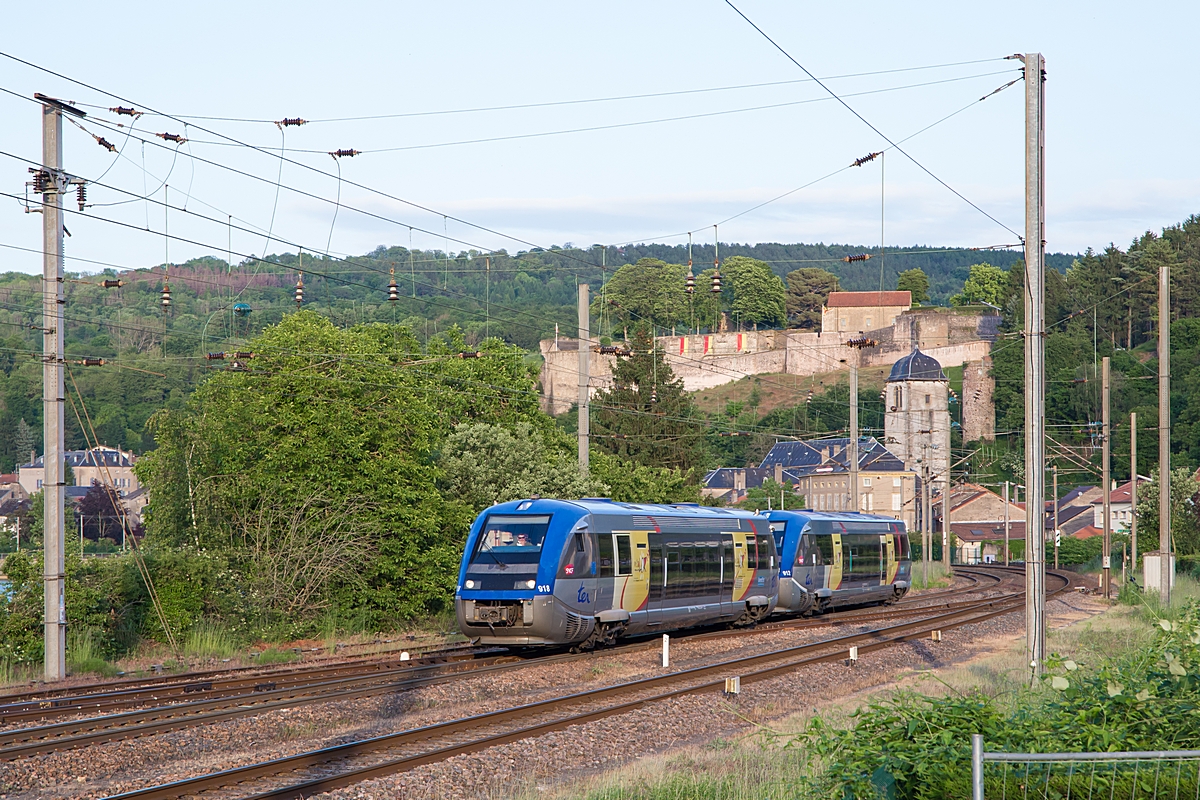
[310, 773]
[186, 704]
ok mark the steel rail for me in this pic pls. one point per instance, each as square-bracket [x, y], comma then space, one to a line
[891, 635]
[55, 695]
[236, 683]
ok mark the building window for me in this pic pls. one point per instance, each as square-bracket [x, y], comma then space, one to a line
[842, 323]
[39, 484]
[866, 481]
[927, 398]
[896, 483]
[896, 504]
[868, 323]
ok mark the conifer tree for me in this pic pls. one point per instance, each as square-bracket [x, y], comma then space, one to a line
[647, 416]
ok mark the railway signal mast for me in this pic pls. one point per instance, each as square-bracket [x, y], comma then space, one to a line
[1035, 364]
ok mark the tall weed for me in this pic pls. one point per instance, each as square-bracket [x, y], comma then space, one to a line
[208, 640]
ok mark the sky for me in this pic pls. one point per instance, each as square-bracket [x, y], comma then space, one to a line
[1120, 124]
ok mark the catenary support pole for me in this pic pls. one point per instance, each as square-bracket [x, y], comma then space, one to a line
[53, 392]
[1106, 468]
[585, 352]
[1164, 434]
[1007, 524]
[1057, 532]
[852, 454]
[1035, 365]
[946, 541]
[1133, 481]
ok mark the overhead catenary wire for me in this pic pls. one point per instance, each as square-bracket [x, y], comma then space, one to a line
[521, 106]
[864, 120]
[620, 125]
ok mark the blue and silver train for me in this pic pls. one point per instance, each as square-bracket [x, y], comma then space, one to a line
[587, 572]
[839, 559]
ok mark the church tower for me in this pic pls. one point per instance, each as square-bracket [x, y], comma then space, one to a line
[917, 415]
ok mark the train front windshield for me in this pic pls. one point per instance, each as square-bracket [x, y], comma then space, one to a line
[506, 536]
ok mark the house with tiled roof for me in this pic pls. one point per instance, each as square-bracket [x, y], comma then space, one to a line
[1120, 506]
[822, 471]
[105, 465]
[863, 311]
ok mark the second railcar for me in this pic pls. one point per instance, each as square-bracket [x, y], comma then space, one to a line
[831, 559]
[587, 572]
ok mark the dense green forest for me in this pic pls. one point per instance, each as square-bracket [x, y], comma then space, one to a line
[155, 360]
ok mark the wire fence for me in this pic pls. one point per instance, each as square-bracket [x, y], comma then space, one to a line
[1144, 775]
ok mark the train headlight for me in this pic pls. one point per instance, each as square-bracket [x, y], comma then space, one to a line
[529, 584]
[470, 584]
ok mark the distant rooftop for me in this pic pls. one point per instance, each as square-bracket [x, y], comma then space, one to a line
[98, 457]
[868, 299]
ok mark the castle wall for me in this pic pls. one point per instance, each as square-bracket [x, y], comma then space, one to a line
[708, 360]
[978, 399]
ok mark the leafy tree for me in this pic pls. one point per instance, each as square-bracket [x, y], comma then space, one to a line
[353, 418]
[487, 464]
[915, 281]
[1185, 513]
[649, 291]
[986, 284]
[635, 483]
[101, 512]
[646, 416]
[807, 292]
[758, 296]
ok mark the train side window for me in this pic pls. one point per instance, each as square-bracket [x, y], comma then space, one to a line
[766, 555]
[624, 554]
[606, 555]
[673, 572]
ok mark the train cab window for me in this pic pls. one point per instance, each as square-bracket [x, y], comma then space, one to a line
[778, 529]
[578, 556]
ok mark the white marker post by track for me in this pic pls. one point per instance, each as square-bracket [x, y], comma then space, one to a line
[666, 650]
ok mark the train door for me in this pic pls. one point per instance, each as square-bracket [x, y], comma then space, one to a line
[834, 579]
[658, 581]
[727, 573]
[745, 562]
[888, 542]
[633, 563]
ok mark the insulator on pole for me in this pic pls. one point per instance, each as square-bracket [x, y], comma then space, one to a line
[393, 291]
[126, 112]
[90, 362]
[105, 143]
[287, 122]
[110, 283]
[299, 291]
[165, 298]
[858, 162]
[345, 153]
[716, 283]
[81, 195]
[859, 257]
[215, 356]
[470, 354]
[653, 395]
[691, 282]
[171, 137]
